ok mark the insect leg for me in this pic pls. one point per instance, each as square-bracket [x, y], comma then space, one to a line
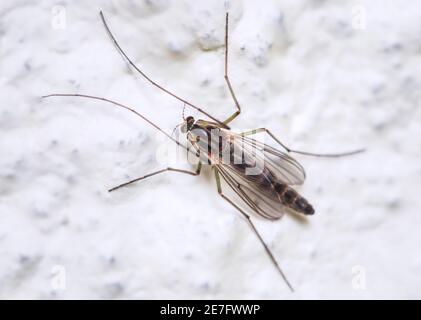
[154, 83]
[193, 173]
[328, 155]
[227, 80]
[248, 219]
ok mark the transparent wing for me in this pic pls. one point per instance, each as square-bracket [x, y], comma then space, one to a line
[284, 167]
[263, 201]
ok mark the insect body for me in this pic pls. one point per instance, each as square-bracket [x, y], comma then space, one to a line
[267, 191]
[260, 176]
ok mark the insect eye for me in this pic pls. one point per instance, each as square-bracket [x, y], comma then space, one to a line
[190, 121]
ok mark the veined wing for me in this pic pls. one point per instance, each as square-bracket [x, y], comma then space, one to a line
[229, 145]
[256, 172]
[263, 201]
[283, 166]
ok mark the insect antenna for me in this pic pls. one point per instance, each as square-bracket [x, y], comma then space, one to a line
[152, 81]
[117, 104]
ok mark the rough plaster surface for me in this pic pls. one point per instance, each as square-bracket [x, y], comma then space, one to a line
[308, 70]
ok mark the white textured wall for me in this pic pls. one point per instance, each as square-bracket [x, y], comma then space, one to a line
[300, 68]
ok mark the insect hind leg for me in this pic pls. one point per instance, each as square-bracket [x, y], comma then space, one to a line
[289, 150]
[248, 219]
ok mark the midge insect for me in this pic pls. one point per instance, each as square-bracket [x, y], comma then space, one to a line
[234, 158]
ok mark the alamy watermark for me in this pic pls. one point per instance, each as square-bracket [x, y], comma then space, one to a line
[58, 18]
[359, 17]
[213, 146]
[58, 277]
[359, 278]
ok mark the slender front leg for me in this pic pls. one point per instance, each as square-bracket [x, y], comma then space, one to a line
[193, 173]
[328, 155]
[227, 80]
[247, 217]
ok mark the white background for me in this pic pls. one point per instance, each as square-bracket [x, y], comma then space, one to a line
[324, 76]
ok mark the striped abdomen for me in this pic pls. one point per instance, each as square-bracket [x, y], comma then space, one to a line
[268, 181]
[291, 199]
